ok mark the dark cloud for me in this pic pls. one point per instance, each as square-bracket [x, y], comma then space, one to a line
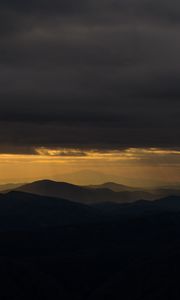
[17, 149]
[89, 74]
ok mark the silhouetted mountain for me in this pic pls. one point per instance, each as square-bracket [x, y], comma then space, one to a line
[84, 177]
[52, 248]
[115, 187]
[82, 194]
[169, 204]
[140, 193]
[22, 210]
[165, 192]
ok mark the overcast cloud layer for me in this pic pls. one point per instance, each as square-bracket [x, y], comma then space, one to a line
[89, 74]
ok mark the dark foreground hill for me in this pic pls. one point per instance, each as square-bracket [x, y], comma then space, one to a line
[20, 210]
[82, 194]
[152, 279]
[23, 210]
[130, 259]
[55, 249]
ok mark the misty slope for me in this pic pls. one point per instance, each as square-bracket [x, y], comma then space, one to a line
[81, 194]
[164, 192]
[22, 210]
[169, 204]
[83, 177]
[9, 186]
[142, 193]
[115, 187]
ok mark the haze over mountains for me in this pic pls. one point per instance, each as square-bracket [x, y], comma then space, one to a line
[69, 203]
[20, 210]
[88, 249]
[116, 187]
[81, 194]
[9, 186]
[107, 192]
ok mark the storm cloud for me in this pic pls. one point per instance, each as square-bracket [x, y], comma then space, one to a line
[84, 74]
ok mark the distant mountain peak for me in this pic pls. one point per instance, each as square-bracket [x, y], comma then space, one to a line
[43, 181]
[114, 186]
[111, 192]
[49, 182]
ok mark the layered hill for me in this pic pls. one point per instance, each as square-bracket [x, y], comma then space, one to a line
[169, 204]
[20, 209]
[115, 187]
[82, 194]
[23, 211]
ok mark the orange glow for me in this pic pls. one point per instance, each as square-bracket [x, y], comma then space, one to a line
[131, 166]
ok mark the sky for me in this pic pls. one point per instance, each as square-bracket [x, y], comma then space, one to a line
[90, 85]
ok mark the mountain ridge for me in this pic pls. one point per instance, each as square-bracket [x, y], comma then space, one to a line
[25, 210]
[80, 193]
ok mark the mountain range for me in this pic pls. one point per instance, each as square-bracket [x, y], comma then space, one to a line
[93, 194]
[115, 187]
[23, 210]
[86, 194]
[26, 210]
[55, 248]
